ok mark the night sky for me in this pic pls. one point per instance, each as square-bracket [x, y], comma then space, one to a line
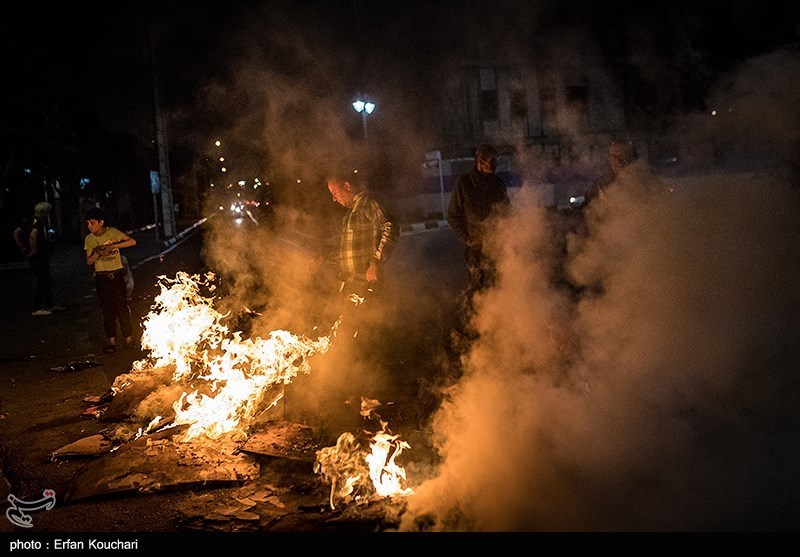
[98, 50]
[274, 80]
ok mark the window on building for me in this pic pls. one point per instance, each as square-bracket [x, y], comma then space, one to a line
[519, 104]
[517, 96]
[489, 97]
[577, 97]
[549, 103]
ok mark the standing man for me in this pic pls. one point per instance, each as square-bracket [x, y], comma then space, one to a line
[35, 245]
[366, 241]
[476, 197]
[102, 246]
[629, 173]
[621, 154]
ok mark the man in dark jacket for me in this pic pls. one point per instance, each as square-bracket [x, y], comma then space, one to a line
[38, 254]
[629, 174]
[476, 197]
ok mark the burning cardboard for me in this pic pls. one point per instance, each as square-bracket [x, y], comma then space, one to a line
[283, 439]
[200, 392]
[358, 474]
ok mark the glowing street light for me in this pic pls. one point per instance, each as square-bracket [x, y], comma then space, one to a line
[364, 108]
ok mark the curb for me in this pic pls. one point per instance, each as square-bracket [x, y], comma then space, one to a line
[418, 227]
[171, 243]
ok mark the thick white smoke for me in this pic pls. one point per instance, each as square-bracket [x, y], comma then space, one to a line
[659, 393]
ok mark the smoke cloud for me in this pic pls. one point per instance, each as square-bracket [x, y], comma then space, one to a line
[658, 392]
[637, 377]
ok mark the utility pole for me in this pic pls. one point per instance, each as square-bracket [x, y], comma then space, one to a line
[165, 184]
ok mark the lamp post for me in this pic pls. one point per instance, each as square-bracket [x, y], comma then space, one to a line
[364, 108]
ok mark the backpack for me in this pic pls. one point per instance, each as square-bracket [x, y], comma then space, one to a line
[22, 235]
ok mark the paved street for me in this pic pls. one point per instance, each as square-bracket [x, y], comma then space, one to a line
[40, 408]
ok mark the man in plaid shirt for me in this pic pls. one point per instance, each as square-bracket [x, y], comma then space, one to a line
[368, 237]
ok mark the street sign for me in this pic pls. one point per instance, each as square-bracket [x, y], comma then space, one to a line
[155, 184]
[434, 160]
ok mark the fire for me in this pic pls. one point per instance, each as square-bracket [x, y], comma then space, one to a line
[357, 475]
[387, 477]
[228, 378]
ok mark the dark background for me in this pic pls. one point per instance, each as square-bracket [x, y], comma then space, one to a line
[77, 99]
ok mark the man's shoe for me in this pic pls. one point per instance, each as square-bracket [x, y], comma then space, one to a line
[56, 308]
[41, 312]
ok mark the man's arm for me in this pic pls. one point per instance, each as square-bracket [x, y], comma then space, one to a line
[455, 212]
[389, 233]
[387, 239]
[92, 256]
[124, 241]
[22, 242]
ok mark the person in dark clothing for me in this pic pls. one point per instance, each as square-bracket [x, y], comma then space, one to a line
[35, 245]
[477, 196]
[620, 155]
[629, 174]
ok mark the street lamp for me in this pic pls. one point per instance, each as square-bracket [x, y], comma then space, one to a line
[364, 108]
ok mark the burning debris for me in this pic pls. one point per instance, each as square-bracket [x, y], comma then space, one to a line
[357, 475]
[188, 414]
[284, 440]
[160, 462]
[93, 445]
[199, 373]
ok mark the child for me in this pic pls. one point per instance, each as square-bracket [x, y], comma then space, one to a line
[102, 247]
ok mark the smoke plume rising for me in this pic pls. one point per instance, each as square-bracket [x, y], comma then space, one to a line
[654, 392]
[657, 393]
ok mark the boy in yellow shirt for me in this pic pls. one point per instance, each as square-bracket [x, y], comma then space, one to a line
[102, 246]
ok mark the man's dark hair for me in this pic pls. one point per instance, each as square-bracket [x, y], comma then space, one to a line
[94, 213]
[485, 151]
[629, 146]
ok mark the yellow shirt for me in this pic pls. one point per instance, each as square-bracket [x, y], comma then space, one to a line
[112, 261]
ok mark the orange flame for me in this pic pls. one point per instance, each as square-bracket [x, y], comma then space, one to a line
[357, 475]
[229, 378]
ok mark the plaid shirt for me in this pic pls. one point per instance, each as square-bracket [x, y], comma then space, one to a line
[367, 235]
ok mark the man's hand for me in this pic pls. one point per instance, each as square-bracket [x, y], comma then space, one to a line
[102, 251]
